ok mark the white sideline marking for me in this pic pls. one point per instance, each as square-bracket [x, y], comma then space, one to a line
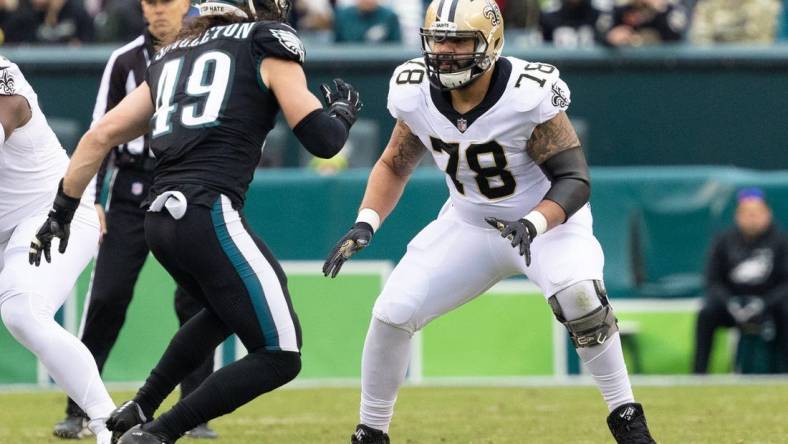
[482, 382]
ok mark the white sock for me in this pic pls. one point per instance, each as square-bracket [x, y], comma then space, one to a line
[383, 367]
[66, 359]
[104, 437]
[606, 364]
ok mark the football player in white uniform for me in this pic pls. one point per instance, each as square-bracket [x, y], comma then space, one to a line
[31, 163]
[497, 126]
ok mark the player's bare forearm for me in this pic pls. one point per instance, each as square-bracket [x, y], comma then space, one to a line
[125, 122]
[288, 82]
[551, 211]
[552, 137]
[392, 171]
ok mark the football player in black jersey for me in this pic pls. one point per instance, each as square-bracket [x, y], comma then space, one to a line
[209, 99]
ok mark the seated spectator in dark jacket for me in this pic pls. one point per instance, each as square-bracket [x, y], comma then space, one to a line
[49, 22]
[746, 278]
[646, 22]
[366, 22]
[574, 24]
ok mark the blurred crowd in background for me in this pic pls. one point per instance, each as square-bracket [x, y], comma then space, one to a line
[562, 23]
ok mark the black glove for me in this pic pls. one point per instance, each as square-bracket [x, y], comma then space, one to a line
[124, 418]
[344, 103]
[354, 241]
[521, 232]
[57, 225]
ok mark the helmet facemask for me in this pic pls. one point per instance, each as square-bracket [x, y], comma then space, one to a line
[453, 70]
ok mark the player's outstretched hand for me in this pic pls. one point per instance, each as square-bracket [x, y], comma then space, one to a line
[521, 232]
[343, 101]
[57, 225]
[351, 243]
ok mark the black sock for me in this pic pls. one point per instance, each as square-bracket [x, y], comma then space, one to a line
[227, 389]
[190, 347]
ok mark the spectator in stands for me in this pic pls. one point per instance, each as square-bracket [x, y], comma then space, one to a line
[7, 7]
[735, 21]
[575, 24]
[782, 33]
[520, 14]
[313, 15]
[120, 21]
[367, 21]
[746, 278]
[49, 22]
[646, 22]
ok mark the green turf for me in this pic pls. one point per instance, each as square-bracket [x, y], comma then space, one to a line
[708, 414]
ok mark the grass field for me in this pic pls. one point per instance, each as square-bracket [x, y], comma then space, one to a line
[684, 414]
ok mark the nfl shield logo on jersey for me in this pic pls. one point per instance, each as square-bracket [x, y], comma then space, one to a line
[462, 124]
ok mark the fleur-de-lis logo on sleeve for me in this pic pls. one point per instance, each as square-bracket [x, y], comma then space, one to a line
[7, 86]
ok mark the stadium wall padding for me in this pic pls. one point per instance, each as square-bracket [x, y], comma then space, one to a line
[671, 105]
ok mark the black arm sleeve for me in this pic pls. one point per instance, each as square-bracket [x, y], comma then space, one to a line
[321, 134]
[571, 186]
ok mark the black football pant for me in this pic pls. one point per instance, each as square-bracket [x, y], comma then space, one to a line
[714, 314]
[213, 255]
[121, 256]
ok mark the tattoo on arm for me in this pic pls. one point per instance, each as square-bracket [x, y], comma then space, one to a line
[552, 137]
[408, 150]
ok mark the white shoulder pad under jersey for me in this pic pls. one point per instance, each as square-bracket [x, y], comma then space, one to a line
[407, 89]
[538, 90]
[12, 82]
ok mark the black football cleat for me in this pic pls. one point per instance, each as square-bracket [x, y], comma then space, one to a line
[628, 425]
[202, 431]
[136, 435]
[123, 418]
[368, 435]
[72, 427]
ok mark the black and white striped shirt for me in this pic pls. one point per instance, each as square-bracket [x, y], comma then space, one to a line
[124, 72]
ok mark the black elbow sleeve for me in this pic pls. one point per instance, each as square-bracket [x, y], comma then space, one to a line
[322, 135]
[568, 173]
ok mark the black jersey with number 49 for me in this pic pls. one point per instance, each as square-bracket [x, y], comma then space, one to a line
[212, 110]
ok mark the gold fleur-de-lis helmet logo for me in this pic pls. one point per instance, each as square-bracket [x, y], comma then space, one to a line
[492, 13]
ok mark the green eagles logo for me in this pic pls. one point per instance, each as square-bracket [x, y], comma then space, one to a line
[290, 41]
[492, 13]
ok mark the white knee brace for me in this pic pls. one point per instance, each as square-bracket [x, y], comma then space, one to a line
[584, 310]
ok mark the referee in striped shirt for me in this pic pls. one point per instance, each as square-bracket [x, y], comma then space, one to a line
[123, 248]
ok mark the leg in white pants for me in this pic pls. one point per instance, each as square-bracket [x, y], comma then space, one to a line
[451, 262]
[566, 262]
[29, 298]
[447, 264]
